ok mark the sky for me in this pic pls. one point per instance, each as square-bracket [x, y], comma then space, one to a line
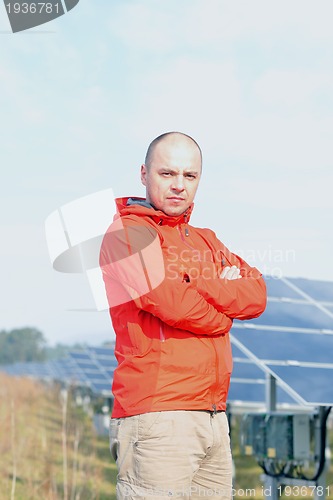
[82, 96]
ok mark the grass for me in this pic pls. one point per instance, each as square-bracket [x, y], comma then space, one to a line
[49, 450]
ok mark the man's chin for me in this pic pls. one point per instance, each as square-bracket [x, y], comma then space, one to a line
[175, 211]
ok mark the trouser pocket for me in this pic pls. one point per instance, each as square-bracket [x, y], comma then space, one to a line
[114, 428]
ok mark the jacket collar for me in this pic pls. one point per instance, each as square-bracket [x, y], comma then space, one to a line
[139, 206]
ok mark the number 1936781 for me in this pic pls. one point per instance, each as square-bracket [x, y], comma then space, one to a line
[298, 491]
[33, 8]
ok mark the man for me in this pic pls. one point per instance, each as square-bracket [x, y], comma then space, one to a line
[173, 291]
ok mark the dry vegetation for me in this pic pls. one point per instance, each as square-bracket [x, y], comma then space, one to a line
[48, 449]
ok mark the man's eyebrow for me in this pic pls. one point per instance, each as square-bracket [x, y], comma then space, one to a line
[175, 171]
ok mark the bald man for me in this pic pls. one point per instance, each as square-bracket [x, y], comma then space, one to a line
[173, 292]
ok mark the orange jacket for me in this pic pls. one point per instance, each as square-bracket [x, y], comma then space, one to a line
[171, 312]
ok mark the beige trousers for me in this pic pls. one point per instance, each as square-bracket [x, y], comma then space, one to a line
[172, 454]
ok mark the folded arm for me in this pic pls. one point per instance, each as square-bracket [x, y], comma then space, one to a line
[131, 256]
[243, 298]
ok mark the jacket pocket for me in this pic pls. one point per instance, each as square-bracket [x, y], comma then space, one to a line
[141, 341]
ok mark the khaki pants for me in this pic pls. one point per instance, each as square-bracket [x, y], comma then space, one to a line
[173, 454]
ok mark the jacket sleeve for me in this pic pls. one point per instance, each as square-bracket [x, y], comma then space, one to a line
[243, 298]
[134, 269]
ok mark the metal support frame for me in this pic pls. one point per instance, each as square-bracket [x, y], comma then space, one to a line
[272, 483]
[321, 481]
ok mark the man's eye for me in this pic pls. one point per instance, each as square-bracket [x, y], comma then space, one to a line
[166, 174]
[190, 176]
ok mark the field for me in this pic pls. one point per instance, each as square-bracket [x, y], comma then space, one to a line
[49, 450]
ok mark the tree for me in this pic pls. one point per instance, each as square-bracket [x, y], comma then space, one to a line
[22, 344]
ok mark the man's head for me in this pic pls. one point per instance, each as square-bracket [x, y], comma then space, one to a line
[171, 172]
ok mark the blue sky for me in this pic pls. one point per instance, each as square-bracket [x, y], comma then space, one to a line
[82, 96]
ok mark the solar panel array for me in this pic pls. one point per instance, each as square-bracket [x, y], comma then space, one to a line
[91, 367]
[96, 366]
[292, 340]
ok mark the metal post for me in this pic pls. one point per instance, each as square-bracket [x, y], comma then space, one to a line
[270, 392]
[271, 483]
[320, 491]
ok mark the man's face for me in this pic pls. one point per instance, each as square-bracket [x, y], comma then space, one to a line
[173, 176]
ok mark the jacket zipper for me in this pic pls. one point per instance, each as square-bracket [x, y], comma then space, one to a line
[214, 409]
[186, 228]
[162, 336]
[216, 379]
[182, 236]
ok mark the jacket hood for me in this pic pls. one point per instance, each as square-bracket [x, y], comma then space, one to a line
[139, 206]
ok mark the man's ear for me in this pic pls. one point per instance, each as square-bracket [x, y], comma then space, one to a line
[144, 174]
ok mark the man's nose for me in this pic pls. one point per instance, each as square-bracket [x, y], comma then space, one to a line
[178, 183]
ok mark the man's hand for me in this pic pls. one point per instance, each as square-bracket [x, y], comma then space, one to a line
[231, 273]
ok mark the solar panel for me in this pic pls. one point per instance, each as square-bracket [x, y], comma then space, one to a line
[293, 340]
[53, 370]
[294, 314]
[101, 351]
[79, 355]
[64, 369]
[313, 384]
[110, 372]
[242, 391]
[97, 376]
[285, 345]
[248, 381]
[244, 368]
[85, 364]
[108, 362]
[93, 363]
[321, 291]
[277, 288]
[103, 388]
